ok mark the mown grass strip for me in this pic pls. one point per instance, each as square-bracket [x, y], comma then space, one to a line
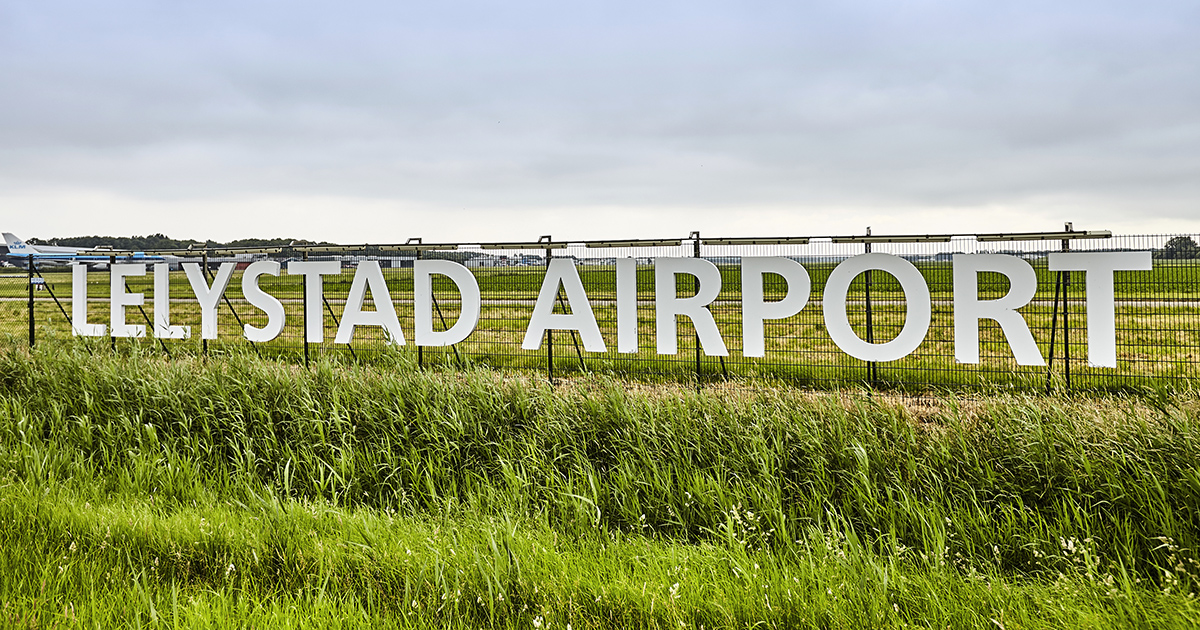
[293, 564]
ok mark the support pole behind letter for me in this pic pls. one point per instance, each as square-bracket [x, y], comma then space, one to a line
[549, 335]
[112, 339]
[204, 274]
[304, 302]
[1053, 329]
[696, 289]
[1066, 246]
[420, 348]
[872, 366]
[30, 287]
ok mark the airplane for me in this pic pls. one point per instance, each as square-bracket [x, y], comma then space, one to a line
[98, 258]
[21, 253]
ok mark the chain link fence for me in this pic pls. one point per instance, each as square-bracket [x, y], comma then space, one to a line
[1157, 311]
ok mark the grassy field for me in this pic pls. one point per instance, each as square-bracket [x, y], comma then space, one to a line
[141, 491]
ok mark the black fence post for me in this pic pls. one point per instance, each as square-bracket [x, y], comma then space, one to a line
[112, 339]
[549, 333]
[204, 274]
[695, 235]
[872, 366]
[30, 287]
[304, 307]
[1066, 246]
[695, 288]
[420, 348]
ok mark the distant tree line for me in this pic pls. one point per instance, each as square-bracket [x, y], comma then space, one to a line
[1179, 247]
[161, 241]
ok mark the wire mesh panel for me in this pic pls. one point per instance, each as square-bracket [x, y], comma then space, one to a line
[808, 310]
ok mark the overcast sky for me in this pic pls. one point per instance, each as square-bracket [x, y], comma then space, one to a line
[478, 121]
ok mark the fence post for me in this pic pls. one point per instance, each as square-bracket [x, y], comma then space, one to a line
[204, 274]
[112, 339]
[872, 366]
[30, 287]
[549, 334]
[304, 311]
[696, 287]
[420, 348]
[695, 236]
[1066, 246]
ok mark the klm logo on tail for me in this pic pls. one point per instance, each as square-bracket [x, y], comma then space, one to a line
[16, 245]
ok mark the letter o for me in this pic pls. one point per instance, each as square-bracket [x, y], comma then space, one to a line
[916, 296]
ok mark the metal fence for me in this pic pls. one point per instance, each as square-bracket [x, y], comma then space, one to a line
[1157, 311]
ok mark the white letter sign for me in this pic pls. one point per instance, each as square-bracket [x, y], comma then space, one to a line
[562, 272]
[369, 276]
[162, 306]
[769, 308]
[627, 305]
[208, 297]
[79, 325]
[755, 310]
[263, 301]
[119, 299]
[916, 296]
[1101, 307]
[968, 309]
[314, 293]
[668, 305]
[468, 316]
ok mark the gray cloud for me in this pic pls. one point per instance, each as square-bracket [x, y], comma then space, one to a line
[523, 107]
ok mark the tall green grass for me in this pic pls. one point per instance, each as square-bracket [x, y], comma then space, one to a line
[761, 504]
